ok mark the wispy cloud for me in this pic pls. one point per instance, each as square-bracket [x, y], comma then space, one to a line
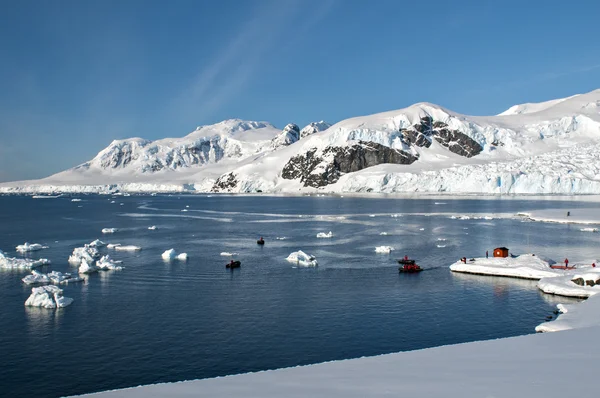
[272, 26]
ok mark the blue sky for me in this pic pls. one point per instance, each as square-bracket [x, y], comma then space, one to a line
[74, 75]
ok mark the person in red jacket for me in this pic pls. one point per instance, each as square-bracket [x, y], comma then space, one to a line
[566, 263]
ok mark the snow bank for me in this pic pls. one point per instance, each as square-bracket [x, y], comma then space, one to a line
[109, 230]
[171, 254]
[86, 253]
[127, 248]
[325, 235]
[21, 263]
[107, 263]
[47, 297]
[526, 266]
[303, 259]
[27, 247]
[384, 249]
[575, 316]
[577, 285]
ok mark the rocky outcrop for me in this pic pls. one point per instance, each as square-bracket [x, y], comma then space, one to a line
[225, 183]
[289, 135]
[314, 127]
[317, 169]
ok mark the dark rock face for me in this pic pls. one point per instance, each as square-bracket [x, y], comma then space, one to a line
[225, 183]
[314, 171]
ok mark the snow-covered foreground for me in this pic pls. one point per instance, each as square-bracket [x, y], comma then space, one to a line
[525, 366]
[527, 266]
[582, 284]
[575, 316]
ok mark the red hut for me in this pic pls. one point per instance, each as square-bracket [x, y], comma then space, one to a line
[501, 252]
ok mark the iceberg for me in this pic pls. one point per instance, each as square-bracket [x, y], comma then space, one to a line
[113, 245]
[384, 249]
[21, 263]
[171, 254]
[227, 254]
[153, 227]
[47, 297]
[75, 200]
[87, 253]
[109, 230]
[30, 247]
[383, 233]
[36, 278]
[53, 277]
[325, 235]
[107, 263]
[97, 243]
[128, 248]
[302, 259]
[87, 268]
[281, 238]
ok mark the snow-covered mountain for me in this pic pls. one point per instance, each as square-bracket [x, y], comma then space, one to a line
[550, 147]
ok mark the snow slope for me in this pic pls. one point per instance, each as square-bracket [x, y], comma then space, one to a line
[547, 148]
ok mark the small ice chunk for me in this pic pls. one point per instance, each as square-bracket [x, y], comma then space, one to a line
[153, 227]
[75, 200]
[47, 297]
[441, 246]
[442, 239]
[107, 263]
[302, 259]
[171, 254]
[371, 215]
[383, 233]
[20, 263]
[227, 254]
[128, 248]
[87, 253]
[109, 230]
[325, 235]
[30, 247]
[97, 243]
[384, 249]
[421, 229]
[589, 229]
[184, 210]
[113, 245]
[36, 277]
[281, 238]
[87, 268]
[60, 278]
[112, 201]
[396, 215]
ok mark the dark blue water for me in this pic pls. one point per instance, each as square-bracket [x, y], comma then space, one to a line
[159, 322]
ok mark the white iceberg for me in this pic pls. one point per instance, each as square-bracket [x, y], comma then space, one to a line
[87, 268]
[383, 233]
[36, 277]
[75, 200]
[171, 254]
[47, 297]
[87, 253]
[107, 263]
[109, 230]
[589, 229]
[113, 245]
[153, 227]
[384, 249]
[30, 247]
[21, 263]
[97, 243]
[281, 238]
[302, 259]
[52, 277]
[227, 254]
[127, 248]
[325, 235]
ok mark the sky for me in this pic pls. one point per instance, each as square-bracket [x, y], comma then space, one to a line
[77, 74]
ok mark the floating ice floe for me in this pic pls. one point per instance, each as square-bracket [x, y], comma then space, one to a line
[20, 263]
[87, 253]
[281, 238]
[227, 254]
[526, 266]
[112, 201]
[371, 215]
[589, 229]
[441, 246]
[152, 228]
[421, 229]
[302, 259]
[47, 297]
[441, 239]
[113, 245]
[396, 215]
[127, 248]
[75, 200]
[171, 254]
[30, 247]
[383, 233]
[97, 243]
[55, 277]
[384, 249]
[325, 235]
[577, 285]
[107, 263]
[87, 268]
[184, 210]
[109, 230]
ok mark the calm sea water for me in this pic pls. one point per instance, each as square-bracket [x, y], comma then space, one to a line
[160, 322]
